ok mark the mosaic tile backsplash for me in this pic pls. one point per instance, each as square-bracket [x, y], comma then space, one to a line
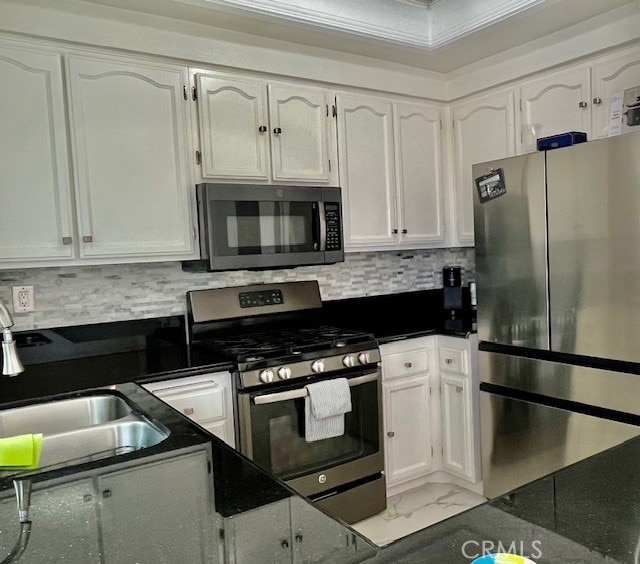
[95, 294]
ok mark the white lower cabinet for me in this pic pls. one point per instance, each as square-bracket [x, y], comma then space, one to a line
[430, 410]
[288, 531]
[205, 399]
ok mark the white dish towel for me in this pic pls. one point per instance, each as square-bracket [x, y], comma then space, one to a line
[324, 409]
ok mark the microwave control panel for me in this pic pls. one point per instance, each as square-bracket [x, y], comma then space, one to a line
[332, 217]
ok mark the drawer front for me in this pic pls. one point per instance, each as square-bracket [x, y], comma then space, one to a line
[453, 360]
[199, 404]
[404, 364]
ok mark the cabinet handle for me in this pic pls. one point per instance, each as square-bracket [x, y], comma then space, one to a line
[284, 544]
[87, 498]
[277, 130]
[188, 410]
[582, 104]
[298, 537]
[394, 231]
[87, 239]
[597, 100]
[458, 389]
[408, 364]
[448, 361]
[67, 240]
[391, 434]
[262, 128]
[106, 494]
[404, 231]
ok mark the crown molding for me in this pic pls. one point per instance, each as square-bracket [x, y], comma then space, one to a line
[421, 24]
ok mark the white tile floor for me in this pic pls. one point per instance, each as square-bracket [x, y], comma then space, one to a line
[417, 509]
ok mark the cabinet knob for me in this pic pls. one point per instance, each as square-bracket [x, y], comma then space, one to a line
[67, 240]
[298, 537]
[277, 130]
[408, 364]
[188, 410]
[448, 361]
[284, 543]
[87, 239]
[582, 104]
[391, 434]
[404, 231]
[262, 128]
[458, 389]
[394, 231]
[597, 100]
[106, 494]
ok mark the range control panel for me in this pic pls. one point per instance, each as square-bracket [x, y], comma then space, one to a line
[332, 217]
[261, 298]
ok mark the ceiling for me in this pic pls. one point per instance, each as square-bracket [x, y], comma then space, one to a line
[438, 35]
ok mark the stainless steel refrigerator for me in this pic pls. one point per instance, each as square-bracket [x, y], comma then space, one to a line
[558, 292]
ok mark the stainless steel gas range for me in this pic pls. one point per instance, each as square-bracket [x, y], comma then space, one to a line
[275, 336]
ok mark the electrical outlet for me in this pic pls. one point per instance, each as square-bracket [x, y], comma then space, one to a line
[24, 299]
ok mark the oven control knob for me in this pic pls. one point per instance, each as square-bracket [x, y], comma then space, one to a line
[284, 373]
[349, 360]
[364, 358]
[266, 376]
[318, 366]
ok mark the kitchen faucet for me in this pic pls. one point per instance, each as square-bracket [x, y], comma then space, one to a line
[11, 365]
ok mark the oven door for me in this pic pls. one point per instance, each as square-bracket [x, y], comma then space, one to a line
[272, 434]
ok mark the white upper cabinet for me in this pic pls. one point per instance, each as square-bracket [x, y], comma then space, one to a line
[612, 74]
[301, 132]
[129, 122]
[365, 134]
[483, 130]
[390, 157]
[553, 104]
[254, 131]
[35, 197]
[418, 158]
[234, 127]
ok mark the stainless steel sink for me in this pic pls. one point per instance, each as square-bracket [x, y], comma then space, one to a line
[61, 416]
[82, 429]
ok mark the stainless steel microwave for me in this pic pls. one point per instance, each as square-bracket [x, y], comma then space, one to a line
[258, 227]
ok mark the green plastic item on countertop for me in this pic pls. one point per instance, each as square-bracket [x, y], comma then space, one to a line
[20, 452]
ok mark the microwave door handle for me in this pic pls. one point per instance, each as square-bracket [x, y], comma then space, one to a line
[302, 392]
[323, 226]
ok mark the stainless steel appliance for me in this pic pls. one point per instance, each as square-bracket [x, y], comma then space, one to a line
[257, 227]
[275, 335]
[558, 281]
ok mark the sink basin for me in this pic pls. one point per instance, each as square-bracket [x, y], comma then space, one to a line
[101, 441]
[62, 416]
[82, 429]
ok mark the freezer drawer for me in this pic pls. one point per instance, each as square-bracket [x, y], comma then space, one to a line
[523, 440]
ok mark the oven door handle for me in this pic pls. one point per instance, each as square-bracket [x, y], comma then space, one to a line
[302, 392]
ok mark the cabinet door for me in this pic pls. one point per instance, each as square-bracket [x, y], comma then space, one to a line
[205, 399]
[260, 535]
[457, 432]
[129, 122]
[65, 524]
[611, 75]
[408, 428]
[419, 174]
[176, 523]
[317, 537]
[554, 104]
[35, 203]
[300, 128]
[483, 130]
[234, 127]
[365, 135]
